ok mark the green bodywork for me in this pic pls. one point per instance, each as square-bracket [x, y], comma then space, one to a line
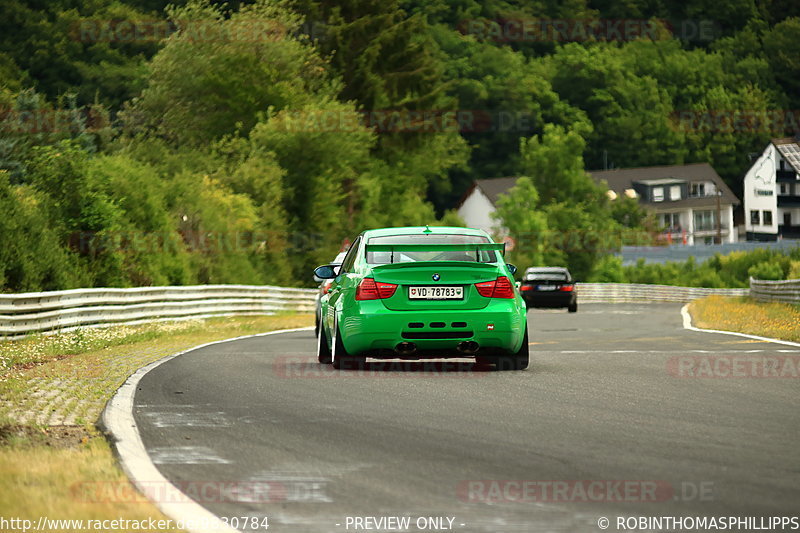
[375, 327]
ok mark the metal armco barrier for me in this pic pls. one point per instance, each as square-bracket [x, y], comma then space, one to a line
[25, 313]
[21, 314]
[643, 293]
[776, 291]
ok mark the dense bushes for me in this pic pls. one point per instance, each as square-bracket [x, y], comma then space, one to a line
[732, 270]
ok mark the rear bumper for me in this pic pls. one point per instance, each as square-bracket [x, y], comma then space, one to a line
[371, 329]
[549, 298]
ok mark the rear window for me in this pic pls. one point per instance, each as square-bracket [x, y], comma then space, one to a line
[546, 276]
[401, 256]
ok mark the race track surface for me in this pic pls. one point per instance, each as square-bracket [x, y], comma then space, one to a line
[612, 396]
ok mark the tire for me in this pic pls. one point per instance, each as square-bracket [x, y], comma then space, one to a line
[573, 308]
[340, 358]
[323, 350]
[519, 360]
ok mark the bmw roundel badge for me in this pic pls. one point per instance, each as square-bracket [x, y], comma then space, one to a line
[436, 277]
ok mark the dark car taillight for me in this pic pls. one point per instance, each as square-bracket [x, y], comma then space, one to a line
[368, 289]
[567, 288]
[499, 288]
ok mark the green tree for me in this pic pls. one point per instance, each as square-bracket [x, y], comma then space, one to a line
[554, 162]
[519, 212]
[241, 66]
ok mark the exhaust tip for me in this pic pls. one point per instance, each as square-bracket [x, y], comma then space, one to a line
[468, 347]
[405, 348]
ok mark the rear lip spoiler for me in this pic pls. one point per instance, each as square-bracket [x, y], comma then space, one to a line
[433, 264]
[478, 247]
[486, 247]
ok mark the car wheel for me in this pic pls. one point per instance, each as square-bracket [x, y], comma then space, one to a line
[340, 358]
[573, 308]
[323, 350]
[519, 360]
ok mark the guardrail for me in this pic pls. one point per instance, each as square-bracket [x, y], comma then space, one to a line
[643, 293]
[22, 314]
[776, 291]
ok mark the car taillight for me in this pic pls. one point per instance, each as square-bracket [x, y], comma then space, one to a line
[499, 288]
[566, 288]
[368, 289]
[526, 288]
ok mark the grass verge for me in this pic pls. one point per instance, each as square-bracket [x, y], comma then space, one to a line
[53, 389]
[744, 315]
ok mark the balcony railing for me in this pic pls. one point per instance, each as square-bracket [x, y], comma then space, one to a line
[788, 201]
[709, 227]
[672, 230]
[785, 175]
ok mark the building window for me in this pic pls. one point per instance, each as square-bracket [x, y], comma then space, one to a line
[755, 218]
[658, 194]
[671, 221]
[784, 188]
[698, 189]
[675, 192]
[767, 218]
[704, 221]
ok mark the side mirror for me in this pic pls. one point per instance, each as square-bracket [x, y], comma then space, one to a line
[326, 271]
[511, 268]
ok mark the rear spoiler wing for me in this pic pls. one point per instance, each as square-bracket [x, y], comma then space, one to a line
[482, 247]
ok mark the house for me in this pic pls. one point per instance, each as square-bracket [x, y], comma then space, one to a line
[772, 192]
[687, 200]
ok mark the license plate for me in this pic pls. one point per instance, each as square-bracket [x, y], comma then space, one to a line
[436, 293]
[546, 287]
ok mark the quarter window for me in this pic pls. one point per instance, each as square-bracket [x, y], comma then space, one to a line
[350, 258]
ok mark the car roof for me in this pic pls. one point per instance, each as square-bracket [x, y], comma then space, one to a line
[431, 230]
[546, 269]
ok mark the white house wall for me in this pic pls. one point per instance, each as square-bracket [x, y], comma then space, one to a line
[761, 177]
[477, 211]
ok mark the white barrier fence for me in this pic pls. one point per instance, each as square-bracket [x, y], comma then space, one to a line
[25, 313]
[642, 293]
[776, 291]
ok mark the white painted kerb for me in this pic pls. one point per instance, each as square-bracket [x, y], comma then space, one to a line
[119, 421]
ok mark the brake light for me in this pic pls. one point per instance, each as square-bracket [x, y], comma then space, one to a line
[526, 288]
[368, 289]
[499, 288]
[567, 288]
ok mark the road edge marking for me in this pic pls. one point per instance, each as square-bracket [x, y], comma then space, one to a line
[117, 420]
[687, 324]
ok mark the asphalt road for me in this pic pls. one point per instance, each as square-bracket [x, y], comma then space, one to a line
[609, 398]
